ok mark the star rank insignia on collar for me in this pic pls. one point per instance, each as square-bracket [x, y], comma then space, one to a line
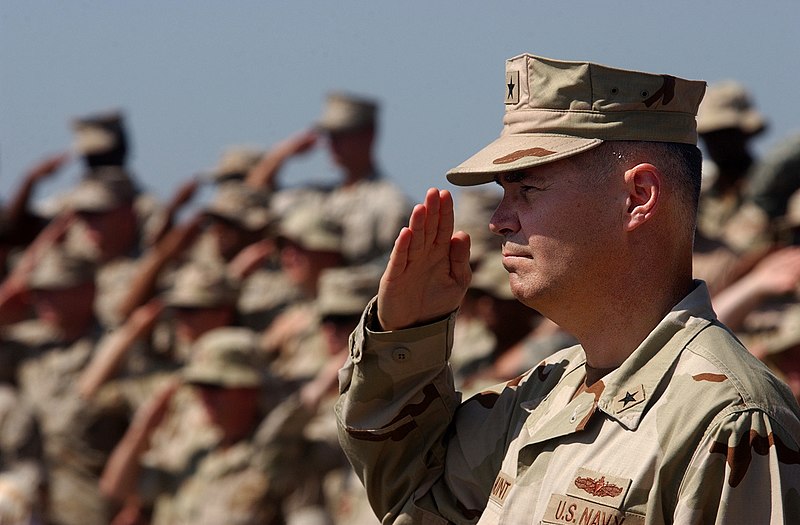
[629, 398]
[512, 87]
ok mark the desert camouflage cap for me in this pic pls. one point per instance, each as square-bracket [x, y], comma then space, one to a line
[556, 109]
[200, 286]
[224, 357]
[728, 105]
[101, 193]
[241, 205]
[59, 269]
[346, 291]
[309, 227]
[491, 277]
[347, 112]
[98, 133]
[235, 162]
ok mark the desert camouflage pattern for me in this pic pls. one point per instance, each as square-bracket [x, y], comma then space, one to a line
[690, 429]
[371, 212]
[218, 486]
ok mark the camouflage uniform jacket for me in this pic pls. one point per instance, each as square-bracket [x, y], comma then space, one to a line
[689, 429]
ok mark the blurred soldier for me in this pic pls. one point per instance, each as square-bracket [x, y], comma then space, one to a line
[228, 482]
[343, 294]
[727, 122]
[102, 141]
[371, 208]
[200, 299]
[77, 435]
[601, 176]
[310, 243]
[239, 217]
[107, 232]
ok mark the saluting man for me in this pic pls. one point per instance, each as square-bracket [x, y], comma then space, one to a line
[658, 415]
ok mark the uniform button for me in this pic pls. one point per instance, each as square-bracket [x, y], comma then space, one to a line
[400, 354]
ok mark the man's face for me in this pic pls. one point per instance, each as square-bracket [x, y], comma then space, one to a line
[350, 148]
[229, 237]
[560, 232]
[303, 266]
[108, 231]
[65, 306]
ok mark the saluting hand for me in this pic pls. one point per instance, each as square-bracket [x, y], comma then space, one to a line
[428, 272]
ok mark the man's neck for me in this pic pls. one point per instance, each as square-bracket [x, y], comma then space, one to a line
[609, 335]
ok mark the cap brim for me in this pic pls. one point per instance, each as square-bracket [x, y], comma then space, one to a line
[516, 152]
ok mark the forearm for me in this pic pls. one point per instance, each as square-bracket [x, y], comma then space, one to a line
[122, 471]
[397, 402]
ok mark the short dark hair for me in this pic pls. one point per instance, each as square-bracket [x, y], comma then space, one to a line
[682, 163]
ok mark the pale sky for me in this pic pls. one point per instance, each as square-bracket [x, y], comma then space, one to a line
[196, 77]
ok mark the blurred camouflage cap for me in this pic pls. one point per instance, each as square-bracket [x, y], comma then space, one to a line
[224, 357]
[200, 286]
[491, 277]
[59, 269]
[102, 192]
[787, 335]
[347, 112]
[241, 205]
[98, 133]
[556, 109]
[346, 291]
[308, 227]
[728, 105]
[474, 209]
[235, 162]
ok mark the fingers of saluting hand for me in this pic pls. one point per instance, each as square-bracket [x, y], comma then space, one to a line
[431, 225]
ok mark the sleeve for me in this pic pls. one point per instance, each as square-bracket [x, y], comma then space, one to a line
[394, 416]
[746, 470]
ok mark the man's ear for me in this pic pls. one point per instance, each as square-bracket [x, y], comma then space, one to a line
[643, 183]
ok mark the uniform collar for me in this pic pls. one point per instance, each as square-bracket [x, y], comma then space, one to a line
[629, 390]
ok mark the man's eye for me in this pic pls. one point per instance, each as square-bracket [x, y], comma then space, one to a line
[529, 189]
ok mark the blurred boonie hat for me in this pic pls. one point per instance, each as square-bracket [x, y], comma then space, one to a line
[347, 112]
[200, 286]
[102, 192]
[556, 109]
[98, 133]
[491, 277]
[224, 357]
[235, 162]
[58, 269]
[346, 291]
[241, 205]
[728, 105]
[308, 227]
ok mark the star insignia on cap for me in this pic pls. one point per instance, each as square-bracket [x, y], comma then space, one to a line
[512, 85]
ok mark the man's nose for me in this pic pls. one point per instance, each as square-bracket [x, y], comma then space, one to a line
[503, 221]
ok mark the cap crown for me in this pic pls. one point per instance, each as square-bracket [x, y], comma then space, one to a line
[224, 357]
[556, 109]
